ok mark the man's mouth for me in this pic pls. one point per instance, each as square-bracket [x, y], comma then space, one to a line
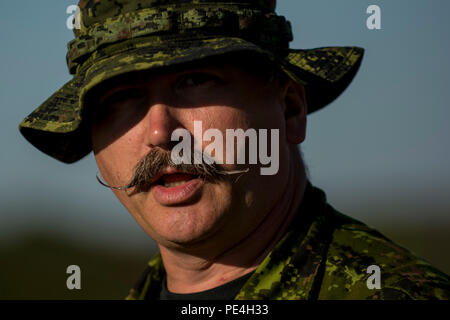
[175, 179]
[176, 188]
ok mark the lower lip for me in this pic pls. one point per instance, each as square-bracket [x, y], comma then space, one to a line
[178, 194]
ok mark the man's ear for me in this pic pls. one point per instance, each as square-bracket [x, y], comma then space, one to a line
[295, 111]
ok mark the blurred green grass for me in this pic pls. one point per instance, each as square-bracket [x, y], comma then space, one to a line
[430, 243]
[35, 266]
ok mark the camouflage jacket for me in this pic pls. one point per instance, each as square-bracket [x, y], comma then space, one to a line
[326, 255]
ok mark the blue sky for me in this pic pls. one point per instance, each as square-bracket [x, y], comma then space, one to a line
[380, 151]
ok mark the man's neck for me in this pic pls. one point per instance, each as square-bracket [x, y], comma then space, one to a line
[187, 273]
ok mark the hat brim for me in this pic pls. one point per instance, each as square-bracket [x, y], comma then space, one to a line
[57, 128]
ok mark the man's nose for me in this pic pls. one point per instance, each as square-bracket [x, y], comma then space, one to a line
[160, 123]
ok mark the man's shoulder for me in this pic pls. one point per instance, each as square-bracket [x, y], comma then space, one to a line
[359, 255]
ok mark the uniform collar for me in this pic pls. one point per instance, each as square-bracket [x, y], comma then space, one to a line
[294, 268]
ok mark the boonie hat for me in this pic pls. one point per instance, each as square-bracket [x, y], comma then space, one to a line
[122, 36]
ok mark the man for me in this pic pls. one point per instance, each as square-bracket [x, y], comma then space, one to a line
[148, 71]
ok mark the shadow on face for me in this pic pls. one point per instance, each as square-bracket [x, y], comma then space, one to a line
[126, 91]
[132, 114]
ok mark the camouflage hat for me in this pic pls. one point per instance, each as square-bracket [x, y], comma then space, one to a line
[121, 36]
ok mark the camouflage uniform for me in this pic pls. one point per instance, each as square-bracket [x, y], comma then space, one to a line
[325, 255]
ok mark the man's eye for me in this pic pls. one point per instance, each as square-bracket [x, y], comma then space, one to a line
[196, 79]
[111, 104]
[123, 95]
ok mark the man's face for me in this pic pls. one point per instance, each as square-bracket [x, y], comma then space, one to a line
[141, 113]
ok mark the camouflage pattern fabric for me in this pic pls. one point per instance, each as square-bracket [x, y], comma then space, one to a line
[325, 255]
[122, 36]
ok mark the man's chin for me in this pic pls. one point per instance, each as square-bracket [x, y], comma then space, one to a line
[183, 227]
[185, 241]
[189, 223]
